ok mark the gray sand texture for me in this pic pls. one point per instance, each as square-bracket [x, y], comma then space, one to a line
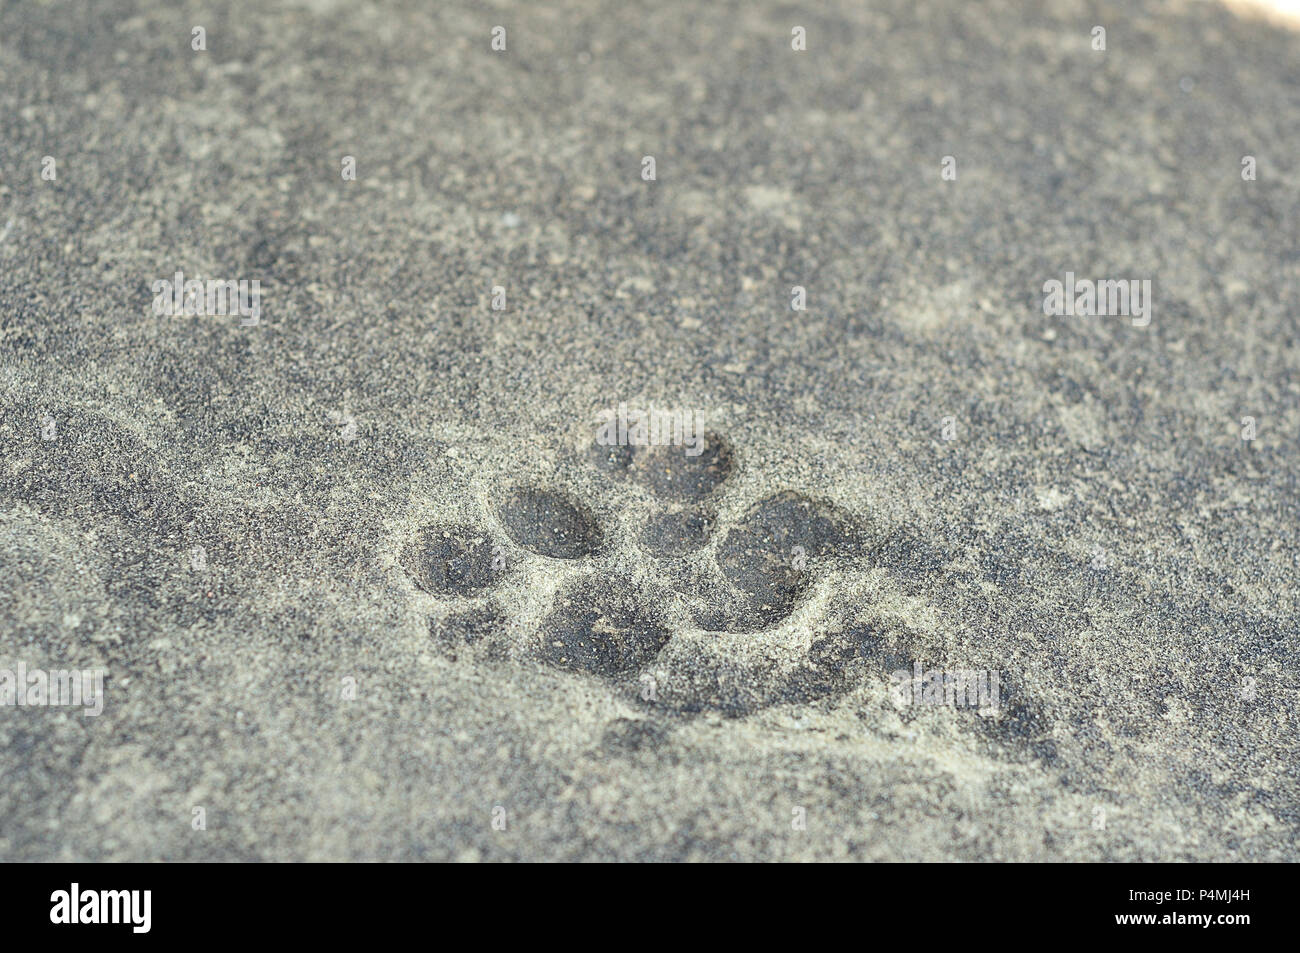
[367, 585]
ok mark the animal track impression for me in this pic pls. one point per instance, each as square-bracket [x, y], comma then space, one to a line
[614, 620]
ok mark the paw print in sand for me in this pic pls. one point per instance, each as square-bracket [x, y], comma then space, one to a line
[674, 588]
[645, 592]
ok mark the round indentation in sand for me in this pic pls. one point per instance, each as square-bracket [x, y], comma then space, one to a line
[548, 523]
[595, 627]
[454, 560]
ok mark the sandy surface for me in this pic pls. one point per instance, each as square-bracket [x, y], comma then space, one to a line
[363, 584]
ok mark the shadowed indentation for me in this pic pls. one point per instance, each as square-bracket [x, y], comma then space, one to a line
[449, 559]
[767, 560]
[671, 472]
[603, 630]
[1021, 725]
[548, 523]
